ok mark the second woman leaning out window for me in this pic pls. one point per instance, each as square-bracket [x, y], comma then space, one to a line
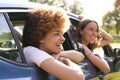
[91, 36]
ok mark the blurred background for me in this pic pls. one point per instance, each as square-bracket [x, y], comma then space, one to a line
[105, 12]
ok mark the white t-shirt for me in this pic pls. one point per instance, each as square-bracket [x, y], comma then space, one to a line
[99, 51]
[35, 55]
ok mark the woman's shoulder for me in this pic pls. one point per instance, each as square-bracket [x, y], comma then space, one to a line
[35, 55]
[32, 49]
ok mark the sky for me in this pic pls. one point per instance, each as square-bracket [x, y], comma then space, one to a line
[95, 9]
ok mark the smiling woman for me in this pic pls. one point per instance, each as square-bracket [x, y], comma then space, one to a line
[43, 36]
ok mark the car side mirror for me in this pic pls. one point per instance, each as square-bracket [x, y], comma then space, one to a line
[117, 54]
[117, 51]
[117, 59]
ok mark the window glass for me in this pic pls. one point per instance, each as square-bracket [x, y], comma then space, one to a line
[8, 48]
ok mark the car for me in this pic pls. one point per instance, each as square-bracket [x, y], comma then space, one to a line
[13, 64]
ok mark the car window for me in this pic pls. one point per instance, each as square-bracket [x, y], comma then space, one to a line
[8, 48]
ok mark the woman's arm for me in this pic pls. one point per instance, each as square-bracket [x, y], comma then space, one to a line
[73, 55]
[106, 38]
[97, 60]
[63, 69]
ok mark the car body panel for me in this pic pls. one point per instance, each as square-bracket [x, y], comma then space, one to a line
[16, 71]
[12, 71]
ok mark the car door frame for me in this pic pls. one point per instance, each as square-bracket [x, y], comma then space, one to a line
[11, 70]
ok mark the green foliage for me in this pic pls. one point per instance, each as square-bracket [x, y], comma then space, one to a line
[5, 36]
[74, 7]
[112, 21]
[116, 39]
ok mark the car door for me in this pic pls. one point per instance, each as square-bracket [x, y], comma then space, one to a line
[12, 62]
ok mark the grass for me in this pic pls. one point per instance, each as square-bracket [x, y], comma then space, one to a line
[116, 39]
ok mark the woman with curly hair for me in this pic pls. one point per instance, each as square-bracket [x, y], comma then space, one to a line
[43, 37]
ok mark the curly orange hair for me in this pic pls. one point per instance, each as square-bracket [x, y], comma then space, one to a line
[40, 21]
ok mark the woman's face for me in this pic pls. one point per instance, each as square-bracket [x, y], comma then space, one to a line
[52, 43]
[89, 33]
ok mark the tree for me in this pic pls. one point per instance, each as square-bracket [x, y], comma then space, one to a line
[116, 15]
[112, 19]
[107, 21]
[74, 7]
[117, 4]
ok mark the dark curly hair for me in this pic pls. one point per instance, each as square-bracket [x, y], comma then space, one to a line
[40, 21]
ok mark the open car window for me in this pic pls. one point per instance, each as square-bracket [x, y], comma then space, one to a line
[8, 48]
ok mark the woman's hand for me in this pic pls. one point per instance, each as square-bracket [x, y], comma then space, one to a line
[106, 38]
[86, 49]
[70, 63]
[64, 60]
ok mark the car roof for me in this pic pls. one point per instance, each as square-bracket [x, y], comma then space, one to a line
[12, 6]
